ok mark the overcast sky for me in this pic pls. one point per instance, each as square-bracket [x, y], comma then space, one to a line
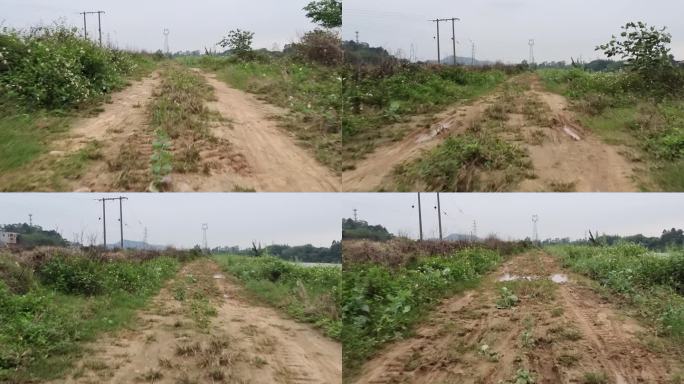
[501, 29]
[510, 215]
[176, 219]
[193, 25]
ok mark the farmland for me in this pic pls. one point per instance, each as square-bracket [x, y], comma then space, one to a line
[75, 317]
[569, 313]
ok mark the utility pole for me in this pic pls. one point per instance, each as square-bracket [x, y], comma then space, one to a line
[420, 218]
[453, 37]
[104, 218]
[205, 227]
[472, 54]
[85, 25]
[439, 217]
[99, 23]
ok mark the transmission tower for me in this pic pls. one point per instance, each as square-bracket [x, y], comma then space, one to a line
[356, 214]
[166, 32]
[474, 232]
[531, 44]
[535, 232]
[31, 220]
[205, 227]
[472, 54]
[357, 37]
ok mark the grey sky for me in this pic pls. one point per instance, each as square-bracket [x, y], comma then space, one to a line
[139, 24]
[501, 28]
[176, 219]
[510, 215]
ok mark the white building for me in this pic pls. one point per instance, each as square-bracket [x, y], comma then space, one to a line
[8, 237]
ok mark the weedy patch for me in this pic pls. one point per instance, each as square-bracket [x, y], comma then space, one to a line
[490, 355]
[595, 378]
[506, 299]
[523, 376]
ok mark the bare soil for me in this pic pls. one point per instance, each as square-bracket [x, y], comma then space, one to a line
[568, 157]
[245, 343]
[571, 331]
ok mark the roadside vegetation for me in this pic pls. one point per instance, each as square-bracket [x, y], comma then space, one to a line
[384, 98]
[310, 294]
[649, 284]
[387, 288]
[54, 300]
[48, 76]
[638, 103]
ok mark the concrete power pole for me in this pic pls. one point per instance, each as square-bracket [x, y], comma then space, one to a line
[439, 217]
[99, 23]
[104, 218]
[453, 37]
[420, 218]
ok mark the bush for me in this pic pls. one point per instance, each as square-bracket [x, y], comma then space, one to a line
[381, 304]
[17, 277]
[322, 47]
[52, 67]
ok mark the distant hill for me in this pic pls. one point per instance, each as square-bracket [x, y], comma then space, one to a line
[459, 237]
[131, 244]
[359, 229]
[466, 61]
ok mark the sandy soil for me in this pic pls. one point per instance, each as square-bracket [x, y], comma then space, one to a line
[276, 162]
[569, 158]
[574, 332]
[571, 154]
[246, 343]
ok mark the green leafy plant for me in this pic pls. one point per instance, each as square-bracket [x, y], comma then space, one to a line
[506, 299]
[162, 158]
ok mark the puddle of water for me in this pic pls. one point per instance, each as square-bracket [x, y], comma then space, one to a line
[559, 278]
[219, 276]
[509, 277]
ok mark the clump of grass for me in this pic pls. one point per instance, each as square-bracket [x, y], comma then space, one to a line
[595, 378]
[461, 163]
[152, 375]
[195, 291]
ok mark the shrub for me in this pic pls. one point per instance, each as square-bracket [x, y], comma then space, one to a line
[322, 47]
[53, 67]
[381, 303]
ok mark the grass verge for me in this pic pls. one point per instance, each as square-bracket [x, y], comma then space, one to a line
[381, 304]
[649, 284]
[48, 311]
[309, 294]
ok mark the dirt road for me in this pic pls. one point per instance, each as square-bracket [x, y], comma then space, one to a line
[559, 332]
[582, 163]
[244, 343]
[276, 162]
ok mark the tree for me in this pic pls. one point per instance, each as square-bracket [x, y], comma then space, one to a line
[645, 50]
[239, 42]
[326, 13]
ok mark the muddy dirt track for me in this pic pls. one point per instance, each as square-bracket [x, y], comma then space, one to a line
[559, 332]
[247, 343]
[252, 152]
[568, 155]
